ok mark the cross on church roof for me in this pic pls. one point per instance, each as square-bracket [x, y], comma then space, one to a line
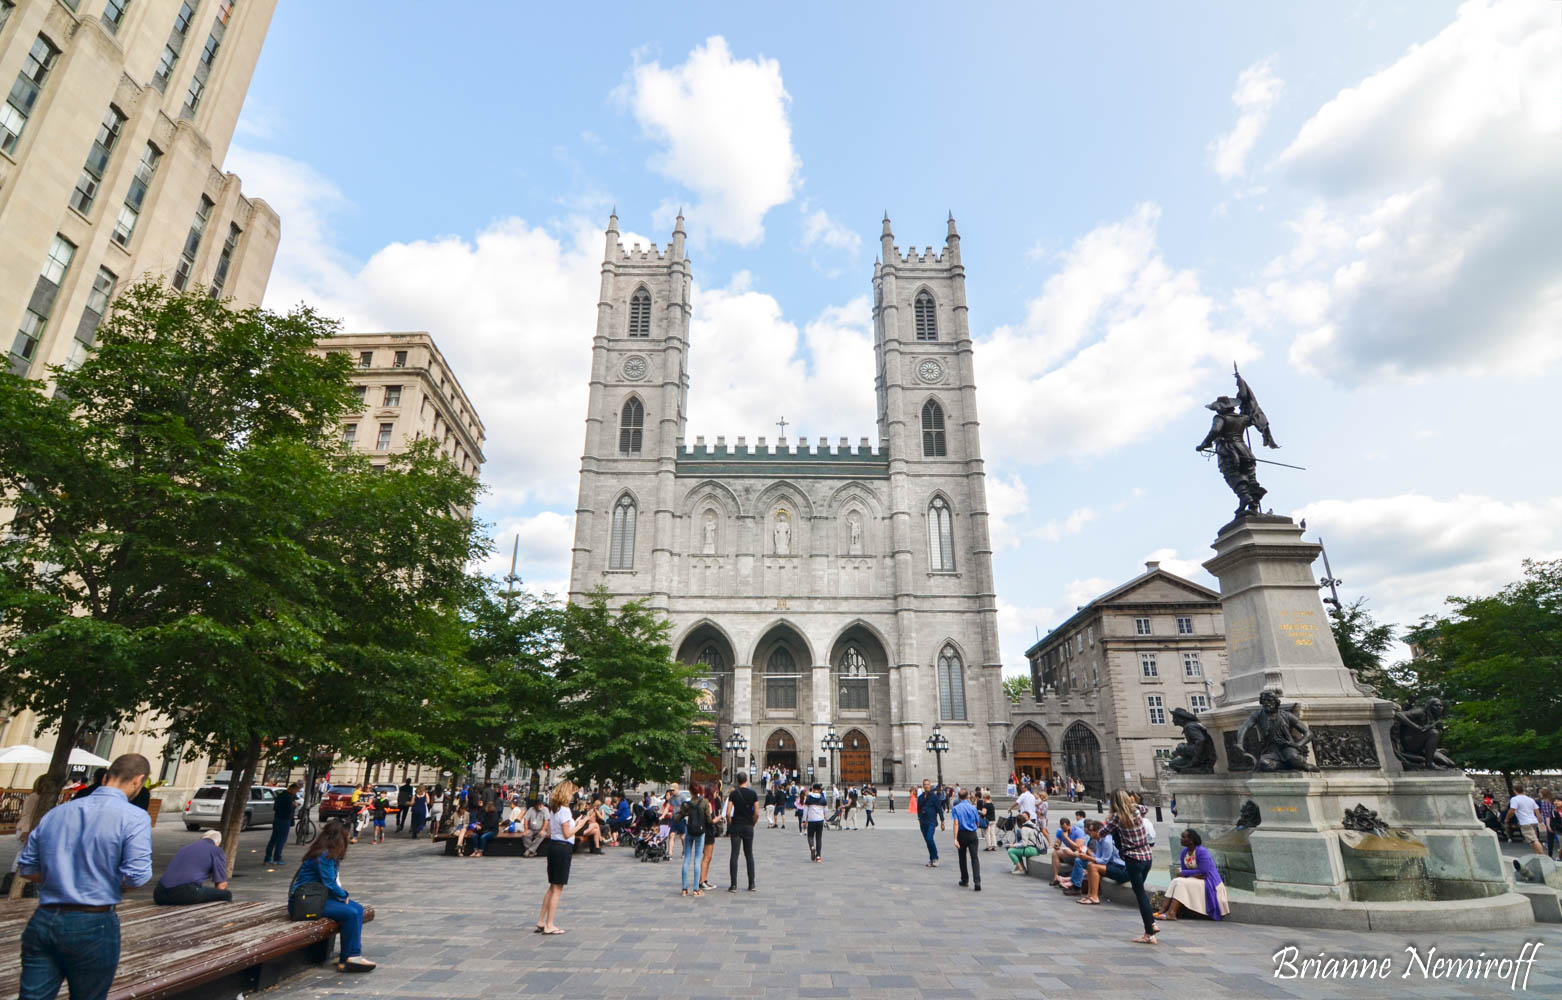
[782, 424]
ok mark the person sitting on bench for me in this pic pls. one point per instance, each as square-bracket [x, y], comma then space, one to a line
[534, 828]
[1067, 845]
[184, 882]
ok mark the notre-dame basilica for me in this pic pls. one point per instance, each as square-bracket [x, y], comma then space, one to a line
[819, 583]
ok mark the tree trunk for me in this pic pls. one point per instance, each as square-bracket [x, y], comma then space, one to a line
[241, 777]
[53, 780]
[1507, 779]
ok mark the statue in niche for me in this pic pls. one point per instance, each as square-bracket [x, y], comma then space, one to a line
[854, 534]
[1417, 735]
[708, 542]
[1196, 754]
[1282, 737]
[783, 533]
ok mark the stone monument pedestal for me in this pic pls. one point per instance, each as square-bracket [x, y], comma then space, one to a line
[1430, 847]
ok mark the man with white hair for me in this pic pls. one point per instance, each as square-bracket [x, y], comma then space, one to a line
[184, 882]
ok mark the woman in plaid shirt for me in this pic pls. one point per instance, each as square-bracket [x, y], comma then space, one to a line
[1133, 841]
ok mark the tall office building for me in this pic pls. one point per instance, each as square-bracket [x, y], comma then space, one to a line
[117, 118]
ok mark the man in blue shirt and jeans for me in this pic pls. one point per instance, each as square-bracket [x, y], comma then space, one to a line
[85, 853]
[967, 821]
[930, 812]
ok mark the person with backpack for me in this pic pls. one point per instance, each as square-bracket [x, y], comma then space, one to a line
[814, 806]
[742, 816]
[317, 892]
[694, 816]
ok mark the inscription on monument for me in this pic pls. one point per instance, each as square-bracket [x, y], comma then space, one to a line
[1301, 626]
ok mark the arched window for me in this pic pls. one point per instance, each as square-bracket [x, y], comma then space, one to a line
[631, 427]
[951, 685]
[621, 550]
[940, 536]
[640, 313]
[781, 680]
[933, 430]
[854, 680]
[926, 317]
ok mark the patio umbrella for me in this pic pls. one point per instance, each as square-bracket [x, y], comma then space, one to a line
[23, 754]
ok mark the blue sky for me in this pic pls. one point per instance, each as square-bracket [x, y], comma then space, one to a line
[1358, 201]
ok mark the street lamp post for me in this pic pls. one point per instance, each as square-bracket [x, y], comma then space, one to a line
[938, 745]
[736, 744]
[832, 743]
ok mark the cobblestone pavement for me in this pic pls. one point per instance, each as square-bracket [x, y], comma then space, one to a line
[869, 921]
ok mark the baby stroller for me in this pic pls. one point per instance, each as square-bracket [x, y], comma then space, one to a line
[651, 845]
[834, 820]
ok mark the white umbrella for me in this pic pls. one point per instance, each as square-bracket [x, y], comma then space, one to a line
[24, 754]
[86, 758]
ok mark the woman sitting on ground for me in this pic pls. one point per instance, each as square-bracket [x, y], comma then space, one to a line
[184, 882]
[535, 827]
[1032, 841]
[1199, 887]
[321, 864]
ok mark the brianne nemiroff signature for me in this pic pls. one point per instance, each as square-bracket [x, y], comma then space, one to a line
[1428, 964]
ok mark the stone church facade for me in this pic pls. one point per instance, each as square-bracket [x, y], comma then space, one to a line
[817, 584]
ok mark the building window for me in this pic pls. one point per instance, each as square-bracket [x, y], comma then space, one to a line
[349, 435]
[1199, 703]
[114, 15]
[640, 313]
[1191, 667]
[365, 359]
[97, 160]
[225, 260]
[392, 395]
[854, 680]
[175, 44]
[173, 751]
[203, 68]
[1141, 626]
[940, 536]
[400, 361]
[384, 440]
[926, 317]
[621, 549]
[1147, 665]
[1157, 710]
[130, 212]
[933, 430]
[6, 6]
[1184, 626]
[361, 393]
[24, 93]
[1080, 639]
[631, 427]
[41, 305]
[1090, 634]
[92, 315]
[951, 685]
[781, 680]
[192, 244]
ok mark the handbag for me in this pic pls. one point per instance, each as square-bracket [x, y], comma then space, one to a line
[307, 901]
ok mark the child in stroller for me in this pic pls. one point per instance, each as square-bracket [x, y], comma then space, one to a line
[833, 821]
[651, 843]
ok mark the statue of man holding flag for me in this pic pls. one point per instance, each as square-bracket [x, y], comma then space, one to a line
[1228, 438]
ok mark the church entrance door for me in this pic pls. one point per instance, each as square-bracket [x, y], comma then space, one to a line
[781, 751]
[1032, 754]
[856, 759]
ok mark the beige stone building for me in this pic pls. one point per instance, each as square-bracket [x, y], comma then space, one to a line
[1104, 683]
[117, 119]
[819, 583]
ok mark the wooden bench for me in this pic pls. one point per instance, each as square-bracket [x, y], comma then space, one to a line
[504, 843]
[172, 950]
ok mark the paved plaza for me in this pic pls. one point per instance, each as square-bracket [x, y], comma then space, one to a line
[870, 921]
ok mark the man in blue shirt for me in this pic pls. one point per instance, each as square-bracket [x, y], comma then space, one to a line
[967, 819]
[1068, 845]
[930, 813]
[85, 853]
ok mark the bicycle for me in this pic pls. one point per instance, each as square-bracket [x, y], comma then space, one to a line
[305, 828]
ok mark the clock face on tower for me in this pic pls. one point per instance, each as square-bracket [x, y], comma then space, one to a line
[930, 370]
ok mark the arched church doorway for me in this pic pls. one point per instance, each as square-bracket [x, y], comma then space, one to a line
[781, 751]
[1082, 751]
[1032, 754]
[856, 758]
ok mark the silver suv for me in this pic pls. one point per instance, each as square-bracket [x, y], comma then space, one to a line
[205, 808]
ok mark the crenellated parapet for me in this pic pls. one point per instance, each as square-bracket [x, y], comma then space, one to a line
[761, 458]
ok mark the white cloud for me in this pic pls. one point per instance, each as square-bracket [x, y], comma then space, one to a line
[1054, 530]
[1408, 553]
[1116, 345]
[542, 557]
[1257, 91]
[1080, 592]
[1430, 244]
[1018, 630]
[819, 229]
[1008, 503]
[725, 135]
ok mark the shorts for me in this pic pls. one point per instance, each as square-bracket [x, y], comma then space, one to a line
[379, 823]
[1531, 832]
[1116, 872]
[560, 853]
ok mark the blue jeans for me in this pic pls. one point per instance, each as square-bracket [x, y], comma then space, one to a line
[693, 848]
[348, 915]
[930, 834]
[485, 838]
[79, 948]
[279, 832]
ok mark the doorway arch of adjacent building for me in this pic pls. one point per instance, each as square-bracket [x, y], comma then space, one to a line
[1032, 753]
[781, 750]
[856, 758]
[1082, 751]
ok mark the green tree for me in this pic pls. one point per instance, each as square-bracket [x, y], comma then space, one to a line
[512, 646]
[1016, 687]
[1497, 664]
[628, 710]
[1363, 643]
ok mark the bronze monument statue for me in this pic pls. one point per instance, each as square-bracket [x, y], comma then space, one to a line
[1196, 754]
[1282, 737]
[1228, 438]
[1417, 734]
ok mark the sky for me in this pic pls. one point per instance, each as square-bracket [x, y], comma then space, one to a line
[1357, 202]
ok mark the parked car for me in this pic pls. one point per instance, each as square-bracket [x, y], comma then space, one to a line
[205, 807]
[389, 791]
[338, 803]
